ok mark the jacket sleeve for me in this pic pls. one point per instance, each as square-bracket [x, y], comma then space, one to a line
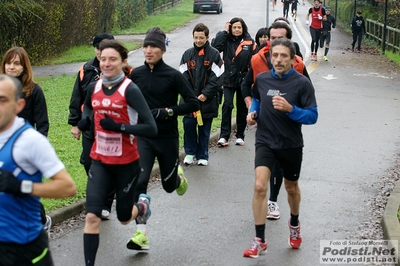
[217, 68]
[219, 41]
[87, 105]
[191, 104]
[40, 115]
[363, 25]
[307, 116]
[147, 127]
[305, 73]
[298, 50]
[247, 83]
[75, 104]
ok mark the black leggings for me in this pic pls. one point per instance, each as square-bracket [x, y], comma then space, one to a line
[315, 36]
[86, 161]
[275, 181]
[101, 177]
[167, 153]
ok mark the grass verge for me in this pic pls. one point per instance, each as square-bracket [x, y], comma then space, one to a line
[167, 20]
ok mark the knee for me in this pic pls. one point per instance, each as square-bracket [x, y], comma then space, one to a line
[92, 220]
[260, 189]
[124, 214]
[292, 189]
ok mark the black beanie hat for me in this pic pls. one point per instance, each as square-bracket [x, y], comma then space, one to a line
[155, 37]
[99, 37]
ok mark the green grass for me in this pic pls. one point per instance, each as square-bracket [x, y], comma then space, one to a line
[167, 20]
[58, 91]
[395, 57]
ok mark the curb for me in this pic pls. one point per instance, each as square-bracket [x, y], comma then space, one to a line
[390, 222]
[65, 213]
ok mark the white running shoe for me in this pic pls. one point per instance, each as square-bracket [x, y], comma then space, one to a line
[273, 211]
[202, 162]
[222, 142]
[105, 215]
[188, 159]
[240, 142]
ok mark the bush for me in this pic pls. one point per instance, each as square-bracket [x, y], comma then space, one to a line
[50, 29]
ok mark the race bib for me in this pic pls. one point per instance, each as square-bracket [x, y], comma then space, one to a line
[109, 144]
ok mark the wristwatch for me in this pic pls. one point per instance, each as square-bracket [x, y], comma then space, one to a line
[26, 186]
[170, 112]
[122, 127]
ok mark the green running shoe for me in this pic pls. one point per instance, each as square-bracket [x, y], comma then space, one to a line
[325, 58]
[184, 183]
[139, 241]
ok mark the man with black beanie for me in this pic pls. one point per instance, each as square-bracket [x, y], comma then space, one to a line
[160, 84]
[88, 73]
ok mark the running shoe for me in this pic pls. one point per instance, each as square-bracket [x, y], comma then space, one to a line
[202, 162]
[256, 248]
[139, 241]
[222, 142]
[184, 183]
[315, 57]
[188, 159]
[273, 211]
[240, 142]
[325, 58]
[105, 214]
[295, 236]
[144, 200]
[47, 225]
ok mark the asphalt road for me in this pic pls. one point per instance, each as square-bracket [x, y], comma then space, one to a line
[350, 147]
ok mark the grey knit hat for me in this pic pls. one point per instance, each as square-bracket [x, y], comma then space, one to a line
[155, 37]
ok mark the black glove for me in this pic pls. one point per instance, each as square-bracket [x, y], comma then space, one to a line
[84, 124]
[10, 184]
[159, 114]
[108, 123]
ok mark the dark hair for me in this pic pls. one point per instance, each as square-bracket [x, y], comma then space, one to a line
[285, 42]
[244, 26]
[280, 25]
[359, 12]
[201, 27]
[120, 48]
[17, 84]
[27, 74]
[260, 33]
[282, 19]
[116, 45]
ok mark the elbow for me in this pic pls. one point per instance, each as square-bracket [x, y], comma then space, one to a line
[70, 190]
[312, 119]
[153, 131]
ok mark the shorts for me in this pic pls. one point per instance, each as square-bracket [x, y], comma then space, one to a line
[290, 160]
[34, 253]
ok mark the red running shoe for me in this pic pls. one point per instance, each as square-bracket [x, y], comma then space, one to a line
[295, 236]
[256, 248]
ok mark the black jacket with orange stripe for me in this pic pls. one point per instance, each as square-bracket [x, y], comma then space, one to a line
[88, 73]
[237, 53]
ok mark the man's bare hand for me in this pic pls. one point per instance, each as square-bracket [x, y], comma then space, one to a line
[281, 104]
[76, 132]
[251, 118]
